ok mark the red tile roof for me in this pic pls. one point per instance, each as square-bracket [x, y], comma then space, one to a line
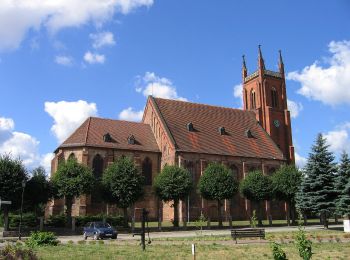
[91, 133]
[206, 138]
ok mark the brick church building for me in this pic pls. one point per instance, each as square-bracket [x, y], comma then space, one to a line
[190, 135]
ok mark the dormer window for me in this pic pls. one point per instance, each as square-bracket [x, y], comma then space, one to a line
[190, 127]
[131, 139]
[249, 134]
[107, 138]
[222, 130]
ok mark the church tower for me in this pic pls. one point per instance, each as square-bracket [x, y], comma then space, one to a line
[264, 92]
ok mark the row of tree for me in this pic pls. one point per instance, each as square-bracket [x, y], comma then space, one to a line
[322, 188]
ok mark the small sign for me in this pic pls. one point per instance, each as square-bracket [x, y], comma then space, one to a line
[5, 202]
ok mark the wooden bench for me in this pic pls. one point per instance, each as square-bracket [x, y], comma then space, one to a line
[247, 232]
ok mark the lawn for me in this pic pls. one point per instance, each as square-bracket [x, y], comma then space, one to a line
[169, 250]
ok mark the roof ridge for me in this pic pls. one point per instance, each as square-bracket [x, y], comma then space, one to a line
[87, 130]
[201, 104]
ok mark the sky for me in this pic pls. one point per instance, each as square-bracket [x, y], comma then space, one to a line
[62, 61]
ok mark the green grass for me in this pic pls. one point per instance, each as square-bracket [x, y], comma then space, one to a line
[183, 251]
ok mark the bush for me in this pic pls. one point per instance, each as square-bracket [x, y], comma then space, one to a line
[17, 252]
[56, 221]
[277, 252]
[304, 245]
[28, 220]
[41, 239]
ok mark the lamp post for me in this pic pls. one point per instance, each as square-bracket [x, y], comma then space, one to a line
[20, 220]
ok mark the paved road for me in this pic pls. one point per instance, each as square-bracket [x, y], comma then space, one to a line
[193, 233]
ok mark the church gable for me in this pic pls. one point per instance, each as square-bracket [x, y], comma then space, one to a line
[208, 129]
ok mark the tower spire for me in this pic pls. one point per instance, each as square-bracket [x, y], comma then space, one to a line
[280, 63]
[261, 63]
[244, 68]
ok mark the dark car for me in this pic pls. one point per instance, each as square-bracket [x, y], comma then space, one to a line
[99, 230]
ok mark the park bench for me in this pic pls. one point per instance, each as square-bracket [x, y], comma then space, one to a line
[247, 232]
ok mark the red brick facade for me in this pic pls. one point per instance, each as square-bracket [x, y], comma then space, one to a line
[164, 139]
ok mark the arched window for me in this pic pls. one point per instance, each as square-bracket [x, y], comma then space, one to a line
[147, 171]
[252, 99]
[97, 166]
[246, 99]
[274, 97]
[235, 172]
[72, 157]
[190, 167]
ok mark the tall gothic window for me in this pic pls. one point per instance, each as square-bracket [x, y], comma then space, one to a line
[147, 171]
[97, 166]
[246, 99]
[252, 99]
[274, 97]
[72, 157]
[234, 170]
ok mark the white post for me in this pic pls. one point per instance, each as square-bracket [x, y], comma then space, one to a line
[194, 251]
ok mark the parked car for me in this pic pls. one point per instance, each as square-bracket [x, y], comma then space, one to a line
[99, 230]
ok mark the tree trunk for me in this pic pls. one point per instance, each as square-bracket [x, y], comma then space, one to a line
[69, 202]
[219, 213]
[288, 213]
[325, 220]
[305, 219]
[6, 218]
[125, 213]
[260, 224]
[176, 213]
[292, 210]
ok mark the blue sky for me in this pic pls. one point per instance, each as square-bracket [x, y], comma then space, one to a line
[61, 61]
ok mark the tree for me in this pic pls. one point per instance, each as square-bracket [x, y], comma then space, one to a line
[342, 185]
[38, 191]
[173, 184]
[12, 174]
[217, 183]
[72, 179]
[123, 184]
[256, 187]
[285, 185]
[317, 193]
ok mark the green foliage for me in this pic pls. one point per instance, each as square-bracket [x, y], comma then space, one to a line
[173, 183]
[303, 244]
[200, 222]
[122, 182]
[112, 220]
[286, 183]
[38, 191]
[73, 179]
[56, 221]
[342, 185]
[28, 220]
[277, 252]
[17, 252]
[41, 239]
[12, 173]
[256, 186]
[217, 182]
[317, 193]
[253, 220]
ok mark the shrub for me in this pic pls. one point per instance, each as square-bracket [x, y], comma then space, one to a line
[304, 245]
[277, 252]
[100, 242]
[253, 220]
[56, 221]
[41, 238]
[81, 242]
[16, 252]
[70, 242]
[28, 220]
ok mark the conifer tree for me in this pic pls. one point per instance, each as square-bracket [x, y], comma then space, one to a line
[343, 186]
[317, 192]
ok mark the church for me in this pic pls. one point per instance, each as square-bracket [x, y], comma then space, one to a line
[190, 135]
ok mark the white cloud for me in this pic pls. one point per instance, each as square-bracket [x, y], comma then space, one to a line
[64, 60]
[21, 145]
[102, 39]
[300, 161]
[68, 116]
[331, 84]
[338, 139]
[93, 58]
[130, 114]
[151, 84]
[238, 93]
[294, 107]
[17, 17]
